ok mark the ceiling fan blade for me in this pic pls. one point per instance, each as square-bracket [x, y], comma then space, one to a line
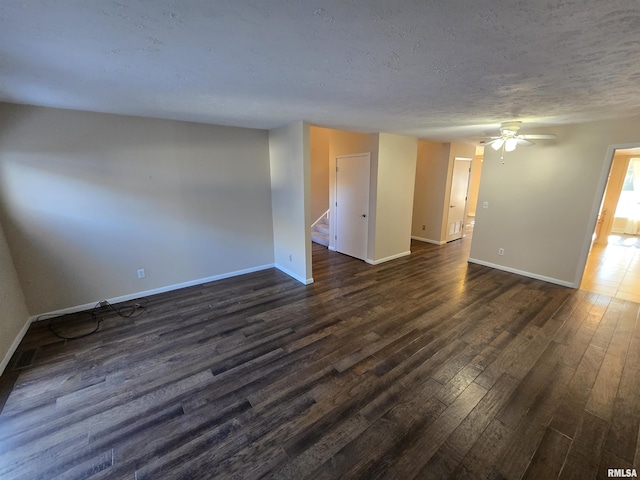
[539, 137]
[491, 142]
[523, 141]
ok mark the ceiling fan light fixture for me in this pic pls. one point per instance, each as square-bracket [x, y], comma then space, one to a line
[509, 138]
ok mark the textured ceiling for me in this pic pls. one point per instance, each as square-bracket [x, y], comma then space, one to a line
[442, 70]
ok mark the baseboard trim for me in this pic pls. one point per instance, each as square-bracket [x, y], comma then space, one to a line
[563, 283]
[387, 259]
[333, 249]
[427, 240]
[304, 281]
[155, 291]
[14, 346]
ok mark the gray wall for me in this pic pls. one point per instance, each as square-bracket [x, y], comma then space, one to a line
[291, 199]
[13, 310]
[86, 199]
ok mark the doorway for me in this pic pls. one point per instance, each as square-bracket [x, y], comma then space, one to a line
[613, 263]
[472, 192]
[458, 198]
[352, 204]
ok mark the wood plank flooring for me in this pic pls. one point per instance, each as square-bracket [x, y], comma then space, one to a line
[614, 269]
[423, 367]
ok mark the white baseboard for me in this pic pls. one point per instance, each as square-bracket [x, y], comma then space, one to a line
[386, 259]
[427, 240]
[564, 283]
[146, 293]
[14, 346]
[304, 281]
[333, 249]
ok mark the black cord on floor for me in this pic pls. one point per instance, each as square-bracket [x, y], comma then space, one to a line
[126, 311]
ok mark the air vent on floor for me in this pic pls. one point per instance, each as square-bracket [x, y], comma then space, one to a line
[25, 359]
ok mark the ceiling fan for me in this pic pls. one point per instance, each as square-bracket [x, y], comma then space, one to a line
[509, 138]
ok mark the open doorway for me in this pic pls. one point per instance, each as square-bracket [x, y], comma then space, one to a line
[472, 193]
[444, 211]
[613, 263]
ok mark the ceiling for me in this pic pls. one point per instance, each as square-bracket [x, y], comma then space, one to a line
[439, 70]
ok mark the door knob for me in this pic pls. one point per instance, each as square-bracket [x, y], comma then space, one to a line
[363, 215]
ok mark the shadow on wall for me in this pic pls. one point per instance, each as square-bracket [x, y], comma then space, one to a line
[87, 199]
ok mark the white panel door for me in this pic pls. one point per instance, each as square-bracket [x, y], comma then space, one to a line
[352, 204]
[458, 198]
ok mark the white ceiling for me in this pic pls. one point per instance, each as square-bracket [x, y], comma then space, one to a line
[441, 70]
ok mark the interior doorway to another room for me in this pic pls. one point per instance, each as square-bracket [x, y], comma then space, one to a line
[613, 263]
[457, 213]
[446, 191]
[472, 192]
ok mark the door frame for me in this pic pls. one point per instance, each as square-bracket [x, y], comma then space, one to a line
[595, 207]
[466, 198]
[333, 200]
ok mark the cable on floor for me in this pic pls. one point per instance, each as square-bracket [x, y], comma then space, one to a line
[126, 311]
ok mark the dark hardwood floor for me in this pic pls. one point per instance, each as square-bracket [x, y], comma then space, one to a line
[423, 367]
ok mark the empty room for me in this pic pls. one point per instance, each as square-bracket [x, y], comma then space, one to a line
[298, 240]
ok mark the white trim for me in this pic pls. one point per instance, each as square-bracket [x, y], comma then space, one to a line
[427, 240]
[14, 346]
[146, 293]
[333, 249]
[304, 281]
[466, 159]
[564, 283]
[325, 214]
[387, 259]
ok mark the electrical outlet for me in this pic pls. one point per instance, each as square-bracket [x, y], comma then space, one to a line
[141, 273]
[290, 258]
[423, 227]
[485, 204]
[501, 251]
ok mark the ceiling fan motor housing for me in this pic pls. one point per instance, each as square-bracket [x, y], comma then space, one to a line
[510, 129]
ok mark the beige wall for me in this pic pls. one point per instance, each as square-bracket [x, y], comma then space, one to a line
[544, 200]
[86, 199]
[432, 168]
[319, 167]
[13, 309]
[394, 202]
[291, 203]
